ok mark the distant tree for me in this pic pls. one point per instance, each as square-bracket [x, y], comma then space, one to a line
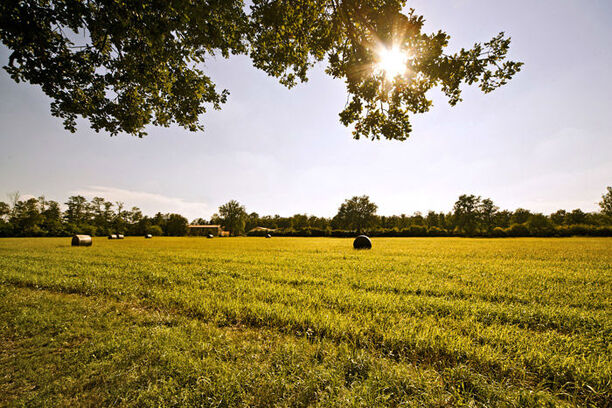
[357, 214]
[253, 220]
[281, 222]
[417, 219]
[539, 225]
[154, 230]
[599, 218]
[5, 227]
[487, 211]
[384, 222]
[318, 222]
[123, 65]
[402, 221]
[216, 219]
[233, 217]
[577, 216]
[27, 219]
[268, 221]
[120, 219]
[160, 220]
[300, 221]
[102, 215]
[432, 219]
[134, 215]
[606, 202]
[559, 217]
[52, 219]
[176, 225]
[5, 210]
[520, 216]
[77, 210]
[466, 213]
[502, 219]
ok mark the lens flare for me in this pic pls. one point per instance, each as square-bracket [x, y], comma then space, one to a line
[391, 62]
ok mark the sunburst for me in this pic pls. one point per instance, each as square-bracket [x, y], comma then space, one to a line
[392, 61]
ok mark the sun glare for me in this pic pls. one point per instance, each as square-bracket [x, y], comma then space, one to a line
[392, 62]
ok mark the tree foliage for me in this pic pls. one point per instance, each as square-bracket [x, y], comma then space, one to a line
[125, 65]
[466, 211]
[471, 216]
[606, 202]
[233, 217]
[176, 225]
[42, 217]
[356, 214]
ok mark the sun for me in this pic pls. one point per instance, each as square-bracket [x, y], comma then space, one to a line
[391, 61]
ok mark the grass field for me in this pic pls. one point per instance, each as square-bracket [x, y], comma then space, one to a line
[306, 322]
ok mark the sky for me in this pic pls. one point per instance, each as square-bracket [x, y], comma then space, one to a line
[542, 142]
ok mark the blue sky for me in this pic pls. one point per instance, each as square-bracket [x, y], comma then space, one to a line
[543, 142]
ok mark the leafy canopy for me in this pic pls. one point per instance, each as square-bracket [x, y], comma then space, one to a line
[123, 65]
[606, 202]
[233, 217]
[356, 214]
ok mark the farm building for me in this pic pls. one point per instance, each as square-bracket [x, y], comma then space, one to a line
[204, 230]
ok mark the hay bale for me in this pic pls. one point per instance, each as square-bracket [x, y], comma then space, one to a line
[112, 236]
[148, 236]
[268, 236]
[362, 242]
[209, 236]
[120, 236]
[81, 240]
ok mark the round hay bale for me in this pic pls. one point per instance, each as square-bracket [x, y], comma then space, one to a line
[268, 236]
[362, 242]
[112, 236]
[120, 236]
[209, 236]
[81, 240]
[148, 236]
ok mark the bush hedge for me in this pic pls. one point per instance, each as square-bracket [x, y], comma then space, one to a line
[515, 230]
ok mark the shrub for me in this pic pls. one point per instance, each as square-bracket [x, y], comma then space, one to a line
[586, 230]
[498, 233]
[414, 231]
[155, 230]
[603, 231]
[317, 232]
[342, 234]
[437, 232]
[517, 230]
[540, 226]
[385, 232]
[579, 229]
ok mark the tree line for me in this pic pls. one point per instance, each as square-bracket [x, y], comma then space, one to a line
[471, 216]
[39, 217]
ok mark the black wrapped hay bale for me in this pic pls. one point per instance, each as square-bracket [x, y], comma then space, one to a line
[209, 236]
[81, 240]
[112, 236]
[148, 236]
[120, 236]
[268, 236]
[362, 242]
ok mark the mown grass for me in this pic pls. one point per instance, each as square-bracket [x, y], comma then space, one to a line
[306, 322]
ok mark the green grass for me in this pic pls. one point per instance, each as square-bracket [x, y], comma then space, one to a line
[306, 322]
